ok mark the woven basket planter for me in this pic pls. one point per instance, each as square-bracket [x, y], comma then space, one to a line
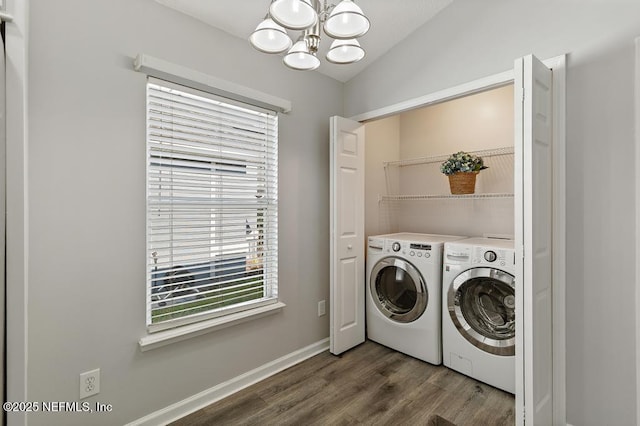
[463, 182]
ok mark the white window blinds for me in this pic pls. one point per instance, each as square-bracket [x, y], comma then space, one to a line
[211, 206]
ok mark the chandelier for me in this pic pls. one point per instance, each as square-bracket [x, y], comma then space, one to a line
[344, 23]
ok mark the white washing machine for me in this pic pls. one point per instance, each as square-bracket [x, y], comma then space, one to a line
[478, 299]
[404, 286]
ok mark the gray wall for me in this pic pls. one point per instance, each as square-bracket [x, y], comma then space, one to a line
[470, 40]
[86, 189]
[86, 172]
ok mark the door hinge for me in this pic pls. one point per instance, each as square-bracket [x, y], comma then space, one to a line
[523, 96]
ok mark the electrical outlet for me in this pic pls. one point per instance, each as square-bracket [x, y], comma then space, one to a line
[321, 308]
[89, 383]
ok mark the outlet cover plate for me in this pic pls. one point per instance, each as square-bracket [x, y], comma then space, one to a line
[322, 308]
[89, 383]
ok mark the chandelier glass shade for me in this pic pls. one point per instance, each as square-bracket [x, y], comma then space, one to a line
[343, 22]
[270, 37]
[299, 57]
[345, 52]
[293, 14]
[346, 21]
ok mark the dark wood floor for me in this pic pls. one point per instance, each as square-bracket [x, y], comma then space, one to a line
[368, 385]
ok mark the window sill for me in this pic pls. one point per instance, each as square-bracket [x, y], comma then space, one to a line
[167, 337]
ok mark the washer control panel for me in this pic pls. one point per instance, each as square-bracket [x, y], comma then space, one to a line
[409, 249]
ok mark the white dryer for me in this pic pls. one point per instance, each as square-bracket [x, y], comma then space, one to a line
[478, 299]
[404, 285]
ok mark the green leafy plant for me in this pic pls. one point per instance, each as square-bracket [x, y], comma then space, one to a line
[462, 162]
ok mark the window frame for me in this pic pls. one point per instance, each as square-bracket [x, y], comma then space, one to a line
[235, 311]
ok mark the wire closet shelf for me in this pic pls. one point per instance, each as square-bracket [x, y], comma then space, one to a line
[488, 153]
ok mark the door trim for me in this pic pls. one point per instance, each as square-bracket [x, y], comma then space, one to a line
[558, 65]
[3, 233]
[17, 226]
[558, 236]
[486, 83]
[637, 154]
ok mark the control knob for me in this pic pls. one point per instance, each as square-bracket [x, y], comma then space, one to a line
[490, 256]
[395, 246]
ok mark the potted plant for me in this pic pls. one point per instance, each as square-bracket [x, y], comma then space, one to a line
[462, 169]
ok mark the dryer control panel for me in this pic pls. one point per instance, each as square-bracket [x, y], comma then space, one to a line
[462, 254]
[492, 256]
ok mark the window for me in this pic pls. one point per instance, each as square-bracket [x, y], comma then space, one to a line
[212, 237]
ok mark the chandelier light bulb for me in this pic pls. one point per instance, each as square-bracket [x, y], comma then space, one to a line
[345, 52]
[293, 14]
[270, 37]
[346, 21]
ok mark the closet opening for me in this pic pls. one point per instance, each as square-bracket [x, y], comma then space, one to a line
[405, 191]
[395, 186]
[469, 279]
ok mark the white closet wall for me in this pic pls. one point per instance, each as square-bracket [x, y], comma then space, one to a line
[477, 122]
[382, 144]
[471, 123]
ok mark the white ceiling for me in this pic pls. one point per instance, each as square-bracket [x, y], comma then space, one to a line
[391, 22]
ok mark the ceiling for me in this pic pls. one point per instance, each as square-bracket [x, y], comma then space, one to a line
[390, 23]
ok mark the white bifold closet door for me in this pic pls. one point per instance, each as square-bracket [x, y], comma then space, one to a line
[347, 243]
[533, 214]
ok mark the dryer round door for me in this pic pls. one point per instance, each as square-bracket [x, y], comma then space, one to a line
[398, 289]
[481, 303]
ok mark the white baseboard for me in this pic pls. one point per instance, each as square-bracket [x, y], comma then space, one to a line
[218, 392]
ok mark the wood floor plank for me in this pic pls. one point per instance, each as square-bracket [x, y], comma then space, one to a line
[387, 401]
[290, 403]
[368, 385]
[227, 413]
[424, 402]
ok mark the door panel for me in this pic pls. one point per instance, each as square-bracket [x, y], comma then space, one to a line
[347, 299]
[533, 180]
[348, 211]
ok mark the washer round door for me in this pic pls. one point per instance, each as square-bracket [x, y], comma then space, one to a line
[398, 289]
[481, 303]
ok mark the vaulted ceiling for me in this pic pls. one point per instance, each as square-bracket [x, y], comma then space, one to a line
[391, 22]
